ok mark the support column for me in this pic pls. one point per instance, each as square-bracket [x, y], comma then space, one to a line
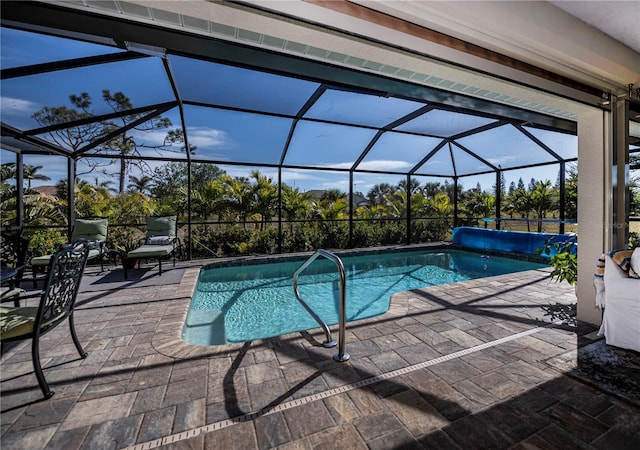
[594, 206]
[620, 174]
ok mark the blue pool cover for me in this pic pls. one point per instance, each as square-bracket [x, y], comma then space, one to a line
[521, 242]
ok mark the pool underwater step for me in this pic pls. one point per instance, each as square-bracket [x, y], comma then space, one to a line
[206, 325]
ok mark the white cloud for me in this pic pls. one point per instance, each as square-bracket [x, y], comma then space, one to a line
[344, 165]
[199, 136]
[503, 160]
[17, 106]
[206, 137]
[152, 137]
[382, 164]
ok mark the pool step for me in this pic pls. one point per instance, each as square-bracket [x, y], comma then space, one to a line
[205, 327]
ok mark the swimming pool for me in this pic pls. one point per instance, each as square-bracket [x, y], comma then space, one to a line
[255, 301]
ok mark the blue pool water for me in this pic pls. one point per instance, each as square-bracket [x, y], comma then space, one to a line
[243, 303]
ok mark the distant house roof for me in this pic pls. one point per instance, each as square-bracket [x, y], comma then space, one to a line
[360, 200]
[317, 193]
[46, 190]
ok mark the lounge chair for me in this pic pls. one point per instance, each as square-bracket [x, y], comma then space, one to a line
[161, 241]
[13, 261]
[93, 230]
[57, 300]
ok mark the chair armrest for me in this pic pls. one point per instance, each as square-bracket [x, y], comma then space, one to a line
[177, 246]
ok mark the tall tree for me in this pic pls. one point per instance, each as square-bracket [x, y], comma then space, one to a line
[265, 197]
[332, 195]
[379, 193]
[141, 184]
[76, 137]
[414, 185]
[431, 188]
[522, 204]
[541, 200]
[502, 187]
[128, 143]
[7, 171]
[84, 131]
[571, 192]
[295, 204]
[30, 173]
[237, 196]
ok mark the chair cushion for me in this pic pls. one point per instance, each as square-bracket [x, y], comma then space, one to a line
[161, 226]
[15, 322]
[40, 260]
[44, 259]
[151, 251]
[90, 229]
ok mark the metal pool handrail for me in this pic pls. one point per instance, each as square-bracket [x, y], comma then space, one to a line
[330, 342]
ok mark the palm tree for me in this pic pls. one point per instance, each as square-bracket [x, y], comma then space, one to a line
[265, 196]
[372, 211]
[571, 192]
[92, 201]
[399, 201]
[295, 204]
[379, 194]
[541, 200]
[30, 172]
[481, 204]
[7, 171]
[237, 196]
[142, 184]
[208, 200]
[431, 188]
[330, 209]
[39, 209]
[414, 185]
[333, 194]
[522, 204]
[440, 205]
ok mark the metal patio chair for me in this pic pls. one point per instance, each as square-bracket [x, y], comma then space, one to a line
[161, 241]
[93, 230]
[57, 301]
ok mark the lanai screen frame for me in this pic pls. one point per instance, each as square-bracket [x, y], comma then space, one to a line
[162, 43]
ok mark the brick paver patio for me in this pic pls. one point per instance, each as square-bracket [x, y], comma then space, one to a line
[466, 365]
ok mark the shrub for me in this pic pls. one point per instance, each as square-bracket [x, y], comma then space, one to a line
[45, 242]
[230, 239]
[367, 234]
[393, 233]
[124, 239]
[294, 240]
[265, 241]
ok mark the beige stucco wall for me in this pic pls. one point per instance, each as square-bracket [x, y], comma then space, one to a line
[594, 216]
